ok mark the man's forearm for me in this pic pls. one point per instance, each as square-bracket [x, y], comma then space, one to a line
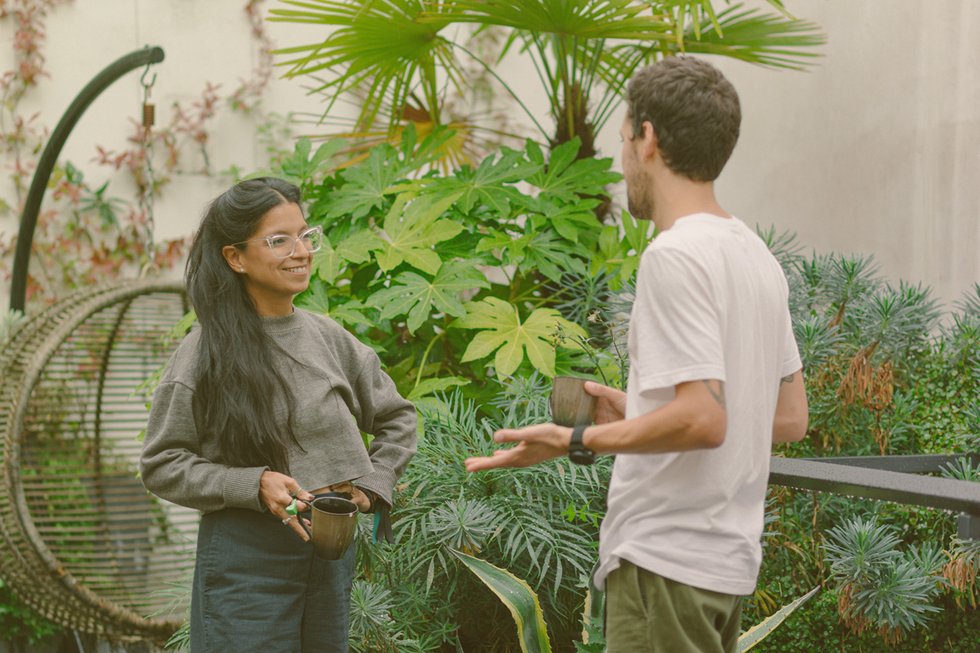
[695, 419]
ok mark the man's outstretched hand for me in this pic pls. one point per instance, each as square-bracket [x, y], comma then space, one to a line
[535, 444]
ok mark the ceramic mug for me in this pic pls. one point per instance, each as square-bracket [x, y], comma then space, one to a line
[334, 522]
[570, 404]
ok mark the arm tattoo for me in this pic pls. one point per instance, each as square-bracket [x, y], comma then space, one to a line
[786, 379]
[719, 394]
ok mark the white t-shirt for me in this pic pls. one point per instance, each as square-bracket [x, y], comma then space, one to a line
[711, 303]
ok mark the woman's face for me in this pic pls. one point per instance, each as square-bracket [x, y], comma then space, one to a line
[272, 282]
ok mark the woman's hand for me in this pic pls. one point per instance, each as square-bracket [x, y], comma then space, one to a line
[276, 492]
[360, 499]
[610, 404]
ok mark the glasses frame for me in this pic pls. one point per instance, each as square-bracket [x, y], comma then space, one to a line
[268, 241]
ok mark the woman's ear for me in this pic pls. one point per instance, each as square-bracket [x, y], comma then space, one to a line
[233, 256]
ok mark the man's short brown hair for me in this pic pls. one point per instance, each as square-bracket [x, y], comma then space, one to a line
[694, 111]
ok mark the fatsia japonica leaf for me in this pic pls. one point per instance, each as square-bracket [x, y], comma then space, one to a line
[488, 184]
[411, 229]
[348, 313]
[566, 178]
[553, 256]
[327, 263]
[503, 332]
[365, 187]
[415, 296]
[330, 261]
[357, 247]
[301, 167]
[428, 387]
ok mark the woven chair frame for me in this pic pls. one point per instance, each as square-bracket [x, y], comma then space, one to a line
[81, 541]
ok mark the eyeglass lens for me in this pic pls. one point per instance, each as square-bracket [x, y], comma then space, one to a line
[285, 246]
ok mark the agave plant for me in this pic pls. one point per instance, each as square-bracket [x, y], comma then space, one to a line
[403, 57]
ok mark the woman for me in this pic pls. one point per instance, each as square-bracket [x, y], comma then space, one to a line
[262, 404]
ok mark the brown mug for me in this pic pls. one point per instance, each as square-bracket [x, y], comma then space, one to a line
[570, 404]
[334, 521]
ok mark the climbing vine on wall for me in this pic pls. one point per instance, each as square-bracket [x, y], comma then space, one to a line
[93, 230]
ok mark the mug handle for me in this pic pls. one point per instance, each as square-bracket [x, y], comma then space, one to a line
[309, 509]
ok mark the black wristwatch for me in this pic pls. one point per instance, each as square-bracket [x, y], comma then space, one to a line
[578, 453]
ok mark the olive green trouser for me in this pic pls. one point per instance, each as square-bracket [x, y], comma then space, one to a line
[647, 613]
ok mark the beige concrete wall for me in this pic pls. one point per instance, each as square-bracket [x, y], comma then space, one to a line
[876, 150]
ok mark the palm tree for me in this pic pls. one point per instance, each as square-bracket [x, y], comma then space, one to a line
[401, 58]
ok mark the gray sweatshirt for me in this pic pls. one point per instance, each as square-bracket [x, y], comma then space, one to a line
[340, 392]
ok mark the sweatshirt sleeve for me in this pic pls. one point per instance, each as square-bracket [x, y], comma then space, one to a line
[173, 468]
[392, 420]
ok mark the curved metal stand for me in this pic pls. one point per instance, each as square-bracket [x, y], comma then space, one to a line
[32, 206]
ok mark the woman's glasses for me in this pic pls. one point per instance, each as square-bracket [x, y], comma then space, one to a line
[284, 246]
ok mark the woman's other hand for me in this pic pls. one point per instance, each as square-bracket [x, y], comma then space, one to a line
[277, 491]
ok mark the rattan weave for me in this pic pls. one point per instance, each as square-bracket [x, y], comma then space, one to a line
[81, 541]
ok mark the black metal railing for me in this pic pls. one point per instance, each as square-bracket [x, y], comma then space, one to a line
[899, 479]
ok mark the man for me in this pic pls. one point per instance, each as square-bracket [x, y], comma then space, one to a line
[715, 378]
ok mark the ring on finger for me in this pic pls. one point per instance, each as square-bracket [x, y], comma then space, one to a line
[285, 522]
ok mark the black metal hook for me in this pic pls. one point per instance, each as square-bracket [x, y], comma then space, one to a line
[143, 81]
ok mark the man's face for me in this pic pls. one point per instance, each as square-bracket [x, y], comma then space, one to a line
[639, 198]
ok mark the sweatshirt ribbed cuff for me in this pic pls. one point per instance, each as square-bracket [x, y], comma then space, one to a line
[241, 489]
[381, 481]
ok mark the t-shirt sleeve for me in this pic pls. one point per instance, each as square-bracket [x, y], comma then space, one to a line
[790, 361]
[675, 326]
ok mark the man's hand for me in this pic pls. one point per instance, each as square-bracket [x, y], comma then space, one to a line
[610, 403]
[535, 444]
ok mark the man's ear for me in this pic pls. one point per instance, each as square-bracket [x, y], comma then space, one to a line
[233, 256]
[649, 144]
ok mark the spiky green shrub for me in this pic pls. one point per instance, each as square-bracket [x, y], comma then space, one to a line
[541, 524]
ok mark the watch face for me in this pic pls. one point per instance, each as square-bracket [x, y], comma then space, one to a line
[581, 456]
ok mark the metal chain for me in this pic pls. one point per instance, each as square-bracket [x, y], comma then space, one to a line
[146, 190]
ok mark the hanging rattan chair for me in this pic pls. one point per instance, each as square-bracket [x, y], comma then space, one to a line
[81, 541]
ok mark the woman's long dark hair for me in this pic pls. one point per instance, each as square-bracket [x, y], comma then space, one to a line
[237, 382]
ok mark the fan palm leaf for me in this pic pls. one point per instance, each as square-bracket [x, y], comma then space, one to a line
[763, 39]
[377, 47]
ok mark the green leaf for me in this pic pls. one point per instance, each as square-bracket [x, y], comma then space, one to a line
[349, 313]
[327, 263]
[760, 631]
[486, 185]
[365, 188]
[380, 53]
[512, 249]
[567, 178]
[300, 166]
[552, 256]
[416, 296]
[428, 387]
[412, 227]
[502, 331]
[520, 599]
[357, 247]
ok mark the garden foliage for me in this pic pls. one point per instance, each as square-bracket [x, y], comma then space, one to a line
[461, 279]
[477, 286]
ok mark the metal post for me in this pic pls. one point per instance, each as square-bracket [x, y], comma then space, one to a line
[968, 526]
[45, 165]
